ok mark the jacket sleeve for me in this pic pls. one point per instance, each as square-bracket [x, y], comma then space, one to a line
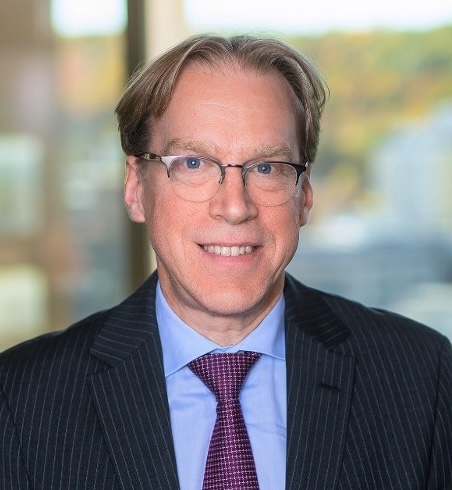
[440, 474]
[13, 475]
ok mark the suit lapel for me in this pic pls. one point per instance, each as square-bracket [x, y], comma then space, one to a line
[132, 406]
[319, 384]
[130, 396]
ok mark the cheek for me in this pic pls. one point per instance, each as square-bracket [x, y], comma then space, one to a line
[154, 213]
[169, 220]
[297, 205]
[285, 226]
[296, 220]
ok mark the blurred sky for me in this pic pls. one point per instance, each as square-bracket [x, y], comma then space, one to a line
[317, 16]
[84, 17]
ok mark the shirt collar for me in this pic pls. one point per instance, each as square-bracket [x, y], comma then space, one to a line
[181, 343]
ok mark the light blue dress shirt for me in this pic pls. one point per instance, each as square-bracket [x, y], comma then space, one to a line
[193, 406]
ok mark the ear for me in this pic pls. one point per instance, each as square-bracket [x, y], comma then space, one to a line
[307, 198]
[133, 190]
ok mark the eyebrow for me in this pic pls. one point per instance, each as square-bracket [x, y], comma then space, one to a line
[182, 146]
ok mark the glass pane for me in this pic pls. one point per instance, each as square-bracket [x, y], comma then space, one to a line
[62, 224]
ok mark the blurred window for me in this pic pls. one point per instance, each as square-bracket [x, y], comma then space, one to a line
[63, 248]
[381, 228]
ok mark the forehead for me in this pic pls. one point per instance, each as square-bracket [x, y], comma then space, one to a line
[226, 79]
[229, 107]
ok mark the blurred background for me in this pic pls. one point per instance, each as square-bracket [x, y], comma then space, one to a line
[381, 230]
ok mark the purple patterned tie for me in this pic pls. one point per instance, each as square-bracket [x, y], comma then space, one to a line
[230, 462]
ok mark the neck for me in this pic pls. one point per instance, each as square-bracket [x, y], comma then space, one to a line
[224, 329]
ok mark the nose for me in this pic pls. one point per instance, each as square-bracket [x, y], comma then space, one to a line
[231, 202]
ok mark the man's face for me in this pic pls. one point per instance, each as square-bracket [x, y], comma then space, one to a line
[233, 116]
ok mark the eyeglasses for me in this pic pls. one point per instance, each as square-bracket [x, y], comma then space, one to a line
[197, 179]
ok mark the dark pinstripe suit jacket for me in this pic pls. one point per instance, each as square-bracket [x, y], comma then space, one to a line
[369, 401]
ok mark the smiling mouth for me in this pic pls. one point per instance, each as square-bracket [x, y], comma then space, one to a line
[228, 251]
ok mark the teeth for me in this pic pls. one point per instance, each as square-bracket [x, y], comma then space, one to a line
[228, 251]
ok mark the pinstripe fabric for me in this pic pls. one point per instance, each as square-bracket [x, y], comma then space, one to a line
[369, 397]
[87, 408]
[369, 401]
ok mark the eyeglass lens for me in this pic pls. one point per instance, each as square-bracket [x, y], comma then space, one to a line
[198, 179]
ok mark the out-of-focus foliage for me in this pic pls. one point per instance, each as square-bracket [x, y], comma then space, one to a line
[377, 80]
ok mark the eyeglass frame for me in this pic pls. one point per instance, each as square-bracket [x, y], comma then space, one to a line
[167, 160]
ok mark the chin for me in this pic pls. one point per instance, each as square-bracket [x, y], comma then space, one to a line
[233, 302]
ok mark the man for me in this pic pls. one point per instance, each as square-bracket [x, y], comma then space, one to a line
[220, 135]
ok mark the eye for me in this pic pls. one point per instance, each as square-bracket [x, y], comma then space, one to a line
[193, 162]
[264, 168]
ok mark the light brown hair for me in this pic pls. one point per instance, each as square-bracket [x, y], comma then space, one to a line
[149, 90]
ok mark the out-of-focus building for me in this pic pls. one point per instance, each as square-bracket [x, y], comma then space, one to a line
[399, 255]
[412, 173]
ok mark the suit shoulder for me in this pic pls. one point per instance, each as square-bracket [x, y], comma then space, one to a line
[365, 323]
[388, 324]
[53, 346]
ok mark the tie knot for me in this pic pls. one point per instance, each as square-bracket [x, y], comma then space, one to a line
[224, 374]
